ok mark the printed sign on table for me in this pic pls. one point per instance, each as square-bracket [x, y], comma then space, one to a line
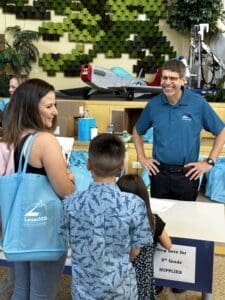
[188, 265]
[177, 264]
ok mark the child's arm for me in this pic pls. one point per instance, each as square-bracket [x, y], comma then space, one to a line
[134, 253]
[160, 234]
[165, 240]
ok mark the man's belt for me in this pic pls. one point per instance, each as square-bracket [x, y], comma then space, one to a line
[173, 168]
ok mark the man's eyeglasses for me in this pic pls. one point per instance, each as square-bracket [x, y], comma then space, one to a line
[172, 79]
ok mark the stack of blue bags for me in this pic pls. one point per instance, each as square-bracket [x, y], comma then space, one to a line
[215, 186]
[78, 167]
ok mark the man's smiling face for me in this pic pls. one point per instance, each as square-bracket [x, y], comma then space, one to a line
[171, 83]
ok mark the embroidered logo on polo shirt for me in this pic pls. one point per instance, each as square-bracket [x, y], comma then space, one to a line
[187, 117]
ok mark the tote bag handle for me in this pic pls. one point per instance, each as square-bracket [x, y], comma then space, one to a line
[27, 146]
[26, 150]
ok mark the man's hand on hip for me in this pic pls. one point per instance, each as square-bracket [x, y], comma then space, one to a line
[197, 169]
[150, 165]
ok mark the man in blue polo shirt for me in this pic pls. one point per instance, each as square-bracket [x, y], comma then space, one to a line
[177, 116]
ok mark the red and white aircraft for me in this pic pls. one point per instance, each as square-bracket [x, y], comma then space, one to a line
[116, 80]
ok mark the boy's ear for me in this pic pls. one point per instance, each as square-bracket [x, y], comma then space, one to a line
[88, 164]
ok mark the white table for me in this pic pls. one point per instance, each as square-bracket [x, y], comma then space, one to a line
[192, 220]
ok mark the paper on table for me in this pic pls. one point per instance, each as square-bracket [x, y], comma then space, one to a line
[161, 205]
[66, 143]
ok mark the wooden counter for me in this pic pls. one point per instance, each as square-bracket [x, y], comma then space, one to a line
[132, 165]
[123, 114]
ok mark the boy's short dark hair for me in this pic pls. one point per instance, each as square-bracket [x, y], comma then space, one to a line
[175, 65]
[106, 154]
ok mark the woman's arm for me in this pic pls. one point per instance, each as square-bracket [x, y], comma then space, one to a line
[46, 152]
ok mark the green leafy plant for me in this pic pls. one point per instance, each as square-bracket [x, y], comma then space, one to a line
[184, 14]
[17, 56]
[219, 94]
[19, 52]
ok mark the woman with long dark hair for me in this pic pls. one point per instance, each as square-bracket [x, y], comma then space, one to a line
[32, 108]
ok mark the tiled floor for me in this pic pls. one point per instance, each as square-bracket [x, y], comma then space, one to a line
[218, 286]
[218, 282]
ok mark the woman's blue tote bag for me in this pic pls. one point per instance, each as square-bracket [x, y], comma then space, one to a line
[30, 213]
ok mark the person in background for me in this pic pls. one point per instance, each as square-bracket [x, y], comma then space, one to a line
[177, 116]
[14, 82]
[32, 108]
[105, 227]
[1, 118]
[144, 267]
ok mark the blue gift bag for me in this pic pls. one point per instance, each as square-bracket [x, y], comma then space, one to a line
[148, 136]
[84, 126]
[78, 167]
[146, 178]
[30, 213]
[215, 186]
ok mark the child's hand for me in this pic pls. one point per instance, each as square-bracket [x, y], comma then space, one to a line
[134, 253]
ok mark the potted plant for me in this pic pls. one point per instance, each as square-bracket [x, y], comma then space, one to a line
[218, 94]
[18, 55]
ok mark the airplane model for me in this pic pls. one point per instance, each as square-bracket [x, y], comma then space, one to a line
[117, 81]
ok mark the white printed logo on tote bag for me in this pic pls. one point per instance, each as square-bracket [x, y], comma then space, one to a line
[36, 215]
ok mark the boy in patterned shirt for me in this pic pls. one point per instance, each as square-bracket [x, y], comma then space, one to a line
[105, 228]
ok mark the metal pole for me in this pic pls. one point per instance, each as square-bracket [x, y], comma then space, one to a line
[207, 296]
[199, 62]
